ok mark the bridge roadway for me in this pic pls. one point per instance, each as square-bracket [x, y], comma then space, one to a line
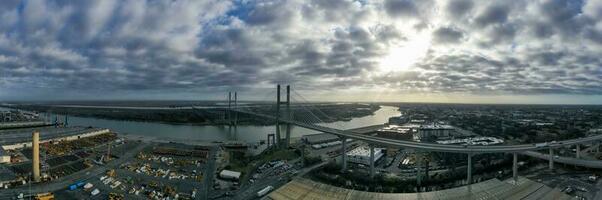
[566, 160]
[432, 146]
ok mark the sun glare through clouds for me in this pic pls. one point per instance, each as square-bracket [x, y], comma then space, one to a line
[402, 56]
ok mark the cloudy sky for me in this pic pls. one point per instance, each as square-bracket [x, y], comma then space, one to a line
[531, 51]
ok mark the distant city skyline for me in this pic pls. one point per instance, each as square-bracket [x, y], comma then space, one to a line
[456, 51]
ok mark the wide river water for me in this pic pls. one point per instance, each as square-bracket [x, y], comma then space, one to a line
[246, 133]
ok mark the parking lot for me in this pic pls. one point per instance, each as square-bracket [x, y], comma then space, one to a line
[158, 171]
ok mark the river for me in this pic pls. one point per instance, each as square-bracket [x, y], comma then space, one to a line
[248, 133]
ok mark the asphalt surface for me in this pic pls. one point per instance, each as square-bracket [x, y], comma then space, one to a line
[63, 182]
[209, 174]
[565, 160]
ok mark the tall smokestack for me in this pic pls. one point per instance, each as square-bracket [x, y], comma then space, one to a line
[36, 156]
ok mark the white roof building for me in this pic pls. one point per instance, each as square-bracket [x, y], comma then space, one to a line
[361, 155]
[227, 174]
[4, 156]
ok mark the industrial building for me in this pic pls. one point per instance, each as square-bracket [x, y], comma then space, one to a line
[6, 176]
[361, 155]
[473, 141]
[319, 138]
[398, 120]
[19, 138]
[417, 132]
[4, 156]
[23, 124]
[399, 132]
[426, 132]
[17, 115]
[329, 144]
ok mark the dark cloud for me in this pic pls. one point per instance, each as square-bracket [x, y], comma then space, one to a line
[494, 14]
[401, 8]
[349, 55]
[446, 35]
[268, 13]
[459, 8]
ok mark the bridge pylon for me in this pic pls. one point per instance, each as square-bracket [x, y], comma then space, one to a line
[287, 116]
[232, 117]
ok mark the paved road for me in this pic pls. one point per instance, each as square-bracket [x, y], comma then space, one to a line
[306, 170]
[566, 160]
[209, 174]
[249, 191]
[65, 181]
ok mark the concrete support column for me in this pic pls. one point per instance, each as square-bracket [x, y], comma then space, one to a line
[469, 169]
[278, 116]
[235, 121]
[426, 169]
[515, 167]
[344, 156]
[36, 156]
[551, 160]
[229, 113]
[371, 161]
[578, 150]
[303, 154]
[235, 108]
[418, 168]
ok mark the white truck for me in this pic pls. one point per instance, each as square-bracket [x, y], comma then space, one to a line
[94, 192]
[264, 191]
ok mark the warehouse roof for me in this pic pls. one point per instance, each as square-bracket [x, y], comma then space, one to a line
[6, 174]
[301, 189]
[13, 136]
[319, 138]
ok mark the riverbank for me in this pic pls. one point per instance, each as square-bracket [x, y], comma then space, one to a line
[215, 115]
[208, 134]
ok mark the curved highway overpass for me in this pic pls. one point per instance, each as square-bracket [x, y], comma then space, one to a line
[565, 160]
[524, 149]
[431, 146]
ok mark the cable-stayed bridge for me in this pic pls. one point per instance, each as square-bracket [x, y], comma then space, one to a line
[312, 118]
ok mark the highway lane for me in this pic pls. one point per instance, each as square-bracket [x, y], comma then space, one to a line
[565, 160]
[431, 146]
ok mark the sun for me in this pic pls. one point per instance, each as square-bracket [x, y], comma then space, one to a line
[402, 56]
